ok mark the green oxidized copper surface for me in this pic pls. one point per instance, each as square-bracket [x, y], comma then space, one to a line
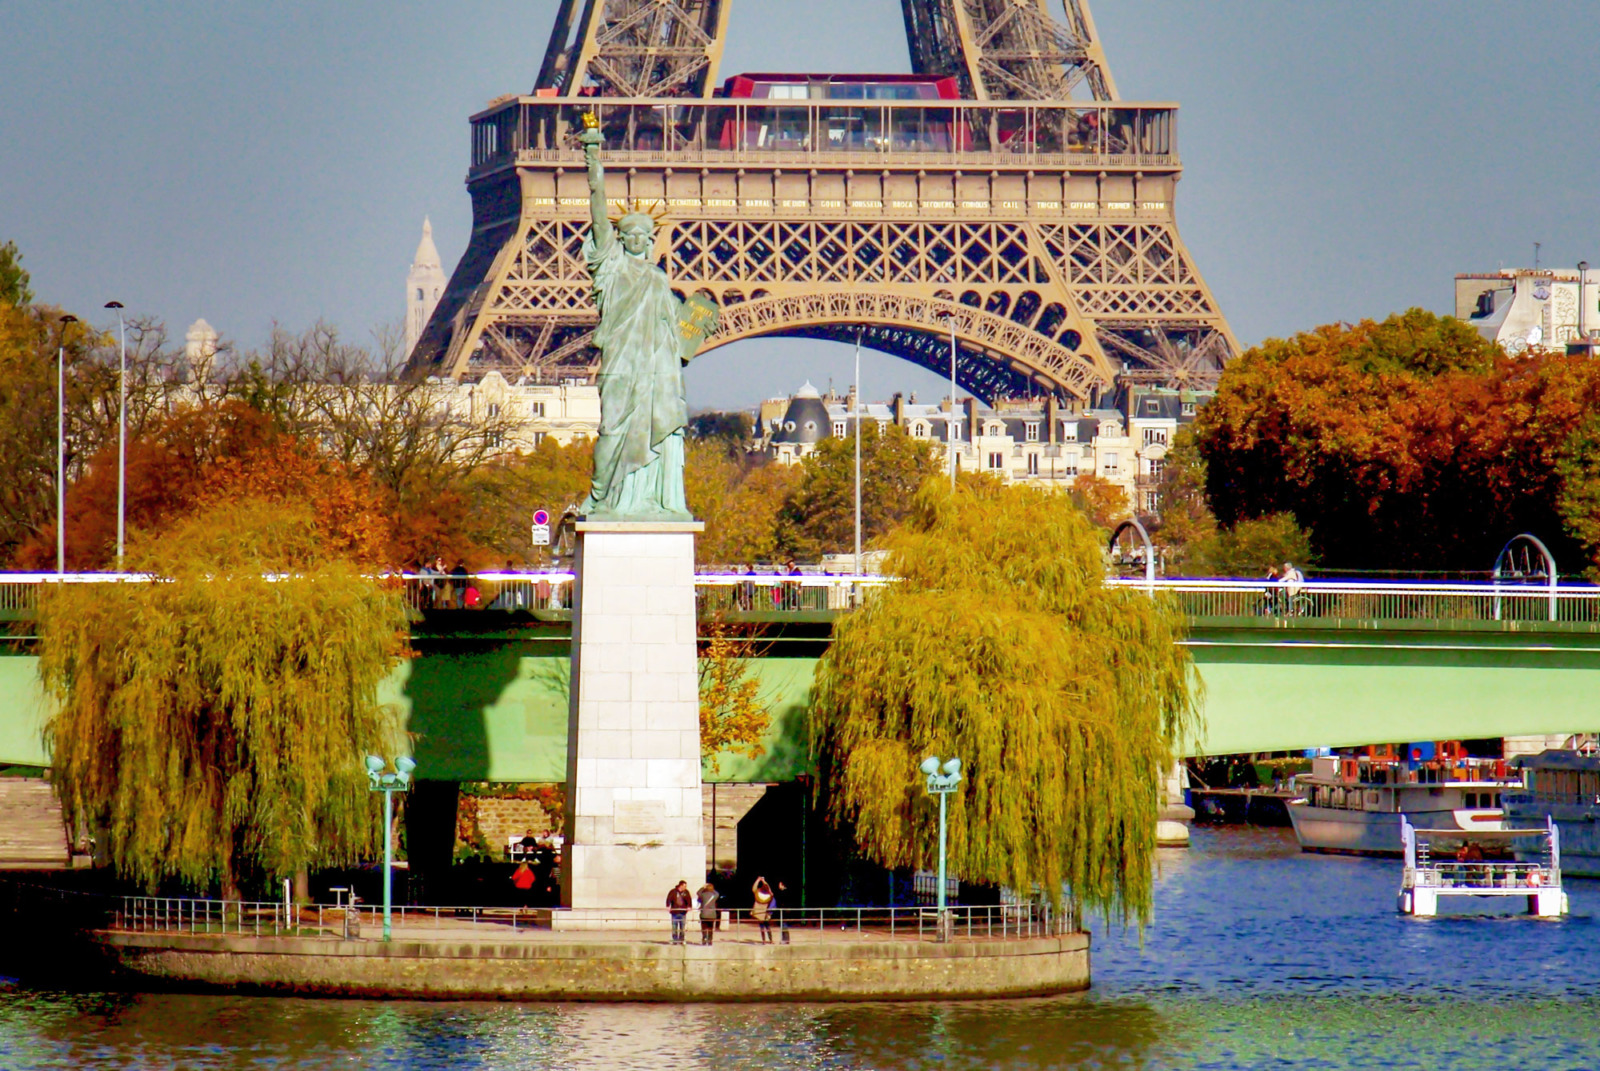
[645, 335]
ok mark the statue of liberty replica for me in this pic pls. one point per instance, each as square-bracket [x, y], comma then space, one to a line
[634, 828]
[645, 336]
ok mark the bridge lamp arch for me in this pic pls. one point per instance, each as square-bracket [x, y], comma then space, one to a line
[1132, 525]
[1516, 563]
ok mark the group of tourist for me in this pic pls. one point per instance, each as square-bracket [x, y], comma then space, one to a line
[764, 909]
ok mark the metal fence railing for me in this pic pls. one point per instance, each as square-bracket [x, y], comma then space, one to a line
[1446, 874]
[1337, 600]
[535, 591]
[150, 914]
[1239, 601]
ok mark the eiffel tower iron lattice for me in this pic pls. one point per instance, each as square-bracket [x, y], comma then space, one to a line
[1040, 225]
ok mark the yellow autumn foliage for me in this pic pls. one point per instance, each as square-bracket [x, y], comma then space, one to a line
[1002, 646]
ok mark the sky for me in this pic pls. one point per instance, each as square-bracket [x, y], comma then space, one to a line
[264, 163]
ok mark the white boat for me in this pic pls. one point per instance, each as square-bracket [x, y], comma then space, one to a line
[1505, 864]
[1354, 806]
[1562, 786]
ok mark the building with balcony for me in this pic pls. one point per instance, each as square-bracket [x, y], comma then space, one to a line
[1036, 441]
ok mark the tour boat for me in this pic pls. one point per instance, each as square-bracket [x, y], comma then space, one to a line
[1562, 786]
[1514, 864]
[1353, 806]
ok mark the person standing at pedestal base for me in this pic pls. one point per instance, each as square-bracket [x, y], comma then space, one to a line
[708, 912]
[678, 903]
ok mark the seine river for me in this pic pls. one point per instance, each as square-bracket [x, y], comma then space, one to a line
[1259, 957]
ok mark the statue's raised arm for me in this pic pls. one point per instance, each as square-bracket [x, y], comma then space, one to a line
[591, 139]
[638, 456]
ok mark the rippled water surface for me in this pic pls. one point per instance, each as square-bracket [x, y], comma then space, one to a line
[1259, 957]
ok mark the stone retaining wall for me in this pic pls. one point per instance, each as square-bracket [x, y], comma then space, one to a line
[834, 969]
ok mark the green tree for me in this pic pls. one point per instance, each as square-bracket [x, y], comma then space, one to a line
[819, 516]
[15, 285]
[1250, 547]
[211, 728]
[501, 495]
[1186, 519]
[1002, 645]
[739, 499]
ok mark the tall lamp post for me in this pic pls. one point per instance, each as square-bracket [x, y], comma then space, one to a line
[122, 429]
[61, 446]
[1583, 271]
[953, 426]
[942, 780]
[388, 783]
[856, 416]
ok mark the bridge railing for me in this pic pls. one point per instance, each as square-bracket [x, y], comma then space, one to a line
[1340, 600]
[715, 593]
[767, 593]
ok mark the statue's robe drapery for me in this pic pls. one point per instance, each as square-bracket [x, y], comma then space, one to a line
[638, 458]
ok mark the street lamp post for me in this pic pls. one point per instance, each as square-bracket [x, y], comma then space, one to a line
[122, 429]
[942, 780]
[388, 783]
[61, 446]
[952, 435]
[856, 414]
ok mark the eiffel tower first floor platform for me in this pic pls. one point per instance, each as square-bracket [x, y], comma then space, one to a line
[1059, 272]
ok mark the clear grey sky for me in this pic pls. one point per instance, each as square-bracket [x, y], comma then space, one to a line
[271, 162]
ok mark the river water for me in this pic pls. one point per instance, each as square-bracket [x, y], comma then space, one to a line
[1259, 957]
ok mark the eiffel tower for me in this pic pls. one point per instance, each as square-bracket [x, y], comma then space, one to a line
[1003, 195]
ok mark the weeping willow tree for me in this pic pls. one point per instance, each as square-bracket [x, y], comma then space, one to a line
[1064, 699]
[210, 726]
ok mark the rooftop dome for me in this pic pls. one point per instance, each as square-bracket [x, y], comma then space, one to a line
[805, 421]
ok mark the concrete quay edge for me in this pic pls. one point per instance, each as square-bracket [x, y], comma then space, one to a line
[555, 968]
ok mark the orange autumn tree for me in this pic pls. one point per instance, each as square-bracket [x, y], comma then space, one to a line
[1407, 444]
[202, 456]
[734, 715]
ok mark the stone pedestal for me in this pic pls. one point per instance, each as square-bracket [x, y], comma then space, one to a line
[633, 824]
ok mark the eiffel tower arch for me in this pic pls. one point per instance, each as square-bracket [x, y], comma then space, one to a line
[1003, 194]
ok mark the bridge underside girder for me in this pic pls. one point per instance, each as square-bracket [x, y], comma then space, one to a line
[1267, 688]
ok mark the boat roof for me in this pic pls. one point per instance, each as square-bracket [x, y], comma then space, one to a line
[1558, 759]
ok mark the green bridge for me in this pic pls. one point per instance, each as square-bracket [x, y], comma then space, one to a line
[1344, 665]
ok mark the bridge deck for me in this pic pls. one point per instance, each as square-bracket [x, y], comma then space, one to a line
[1338, 664]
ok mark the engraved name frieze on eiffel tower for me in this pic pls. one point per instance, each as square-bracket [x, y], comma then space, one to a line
[1002, 190]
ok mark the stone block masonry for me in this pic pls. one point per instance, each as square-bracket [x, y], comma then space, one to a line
[555, 967]
[634, 825]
